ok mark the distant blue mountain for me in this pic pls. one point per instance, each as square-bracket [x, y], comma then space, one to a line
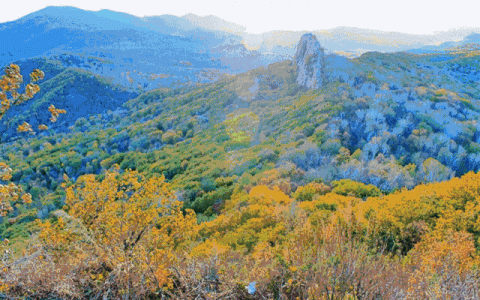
[140, 53]
[55, 30]
[473, 38]
[171, 24]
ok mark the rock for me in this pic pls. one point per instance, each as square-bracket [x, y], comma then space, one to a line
[251, 288]
[59, 213]
[310, 62]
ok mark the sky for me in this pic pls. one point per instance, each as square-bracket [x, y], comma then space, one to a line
[409, 16]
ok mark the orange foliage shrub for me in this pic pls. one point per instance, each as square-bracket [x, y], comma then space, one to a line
[126, 235]
[121, 236]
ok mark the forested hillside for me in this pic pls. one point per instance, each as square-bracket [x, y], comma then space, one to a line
[319, 177]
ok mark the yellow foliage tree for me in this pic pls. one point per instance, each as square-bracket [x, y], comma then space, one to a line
[132, 225]
[439, 257]
[10, 84]
[9, 95]
[25, 127]
[9, 192]
[252, 218]
[55, 112]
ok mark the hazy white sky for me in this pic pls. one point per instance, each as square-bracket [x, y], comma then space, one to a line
[411, 16]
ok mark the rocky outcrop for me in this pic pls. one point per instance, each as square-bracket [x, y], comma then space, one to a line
[310, 62]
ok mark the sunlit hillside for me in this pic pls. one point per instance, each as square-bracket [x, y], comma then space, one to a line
[231, 172]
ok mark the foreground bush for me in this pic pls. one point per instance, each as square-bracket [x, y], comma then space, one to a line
[124, 236]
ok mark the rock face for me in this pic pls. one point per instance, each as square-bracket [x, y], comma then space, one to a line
[310, 62]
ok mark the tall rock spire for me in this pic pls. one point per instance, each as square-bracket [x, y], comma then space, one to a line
[310, 62]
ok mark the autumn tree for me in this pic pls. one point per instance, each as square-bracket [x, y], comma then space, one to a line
[9, 192]
[10, 84]
[130, 227]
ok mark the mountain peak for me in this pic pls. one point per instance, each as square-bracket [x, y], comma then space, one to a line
[309, 60]
[56, 10]
[78, 19]
[473, 37]
[211, 22]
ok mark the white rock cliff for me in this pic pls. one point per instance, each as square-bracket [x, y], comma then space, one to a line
[310, 62]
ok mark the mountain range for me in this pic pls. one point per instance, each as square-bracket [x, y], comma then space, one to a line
[154, 50]
[389, 119]
[160, 51]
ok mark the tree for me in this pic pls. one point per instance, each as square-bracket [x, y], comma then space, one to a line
[10, 86]
[346, 187]
[129, 227]
[9, 95]
[9, 192]
[432, 170]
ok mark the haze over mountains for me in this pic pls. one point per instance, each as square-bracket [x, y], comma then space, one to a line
[145, 53]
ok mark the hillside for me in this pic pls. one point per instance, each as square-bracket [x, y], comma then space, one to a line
[81, 93]
[319, 176]
[391, 120]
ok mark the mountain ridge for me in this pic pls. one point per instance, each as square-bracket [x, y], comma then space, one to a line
[147, 50]
[341, 39]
